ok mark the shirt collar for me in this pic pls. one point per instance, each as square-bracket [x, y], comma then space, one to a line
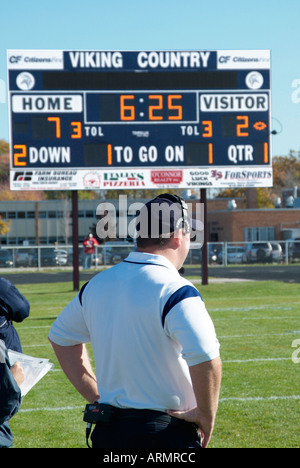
[149, 259]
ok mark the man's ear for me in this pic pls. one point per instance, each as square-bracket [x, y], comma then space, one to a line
[176, 238]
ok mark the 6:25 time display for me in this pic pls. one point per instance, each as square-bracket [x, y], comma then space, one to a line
[156, 109]
[152, 107]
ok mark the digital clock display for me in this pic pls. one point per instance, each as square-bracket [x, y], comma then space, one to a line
[140, 112]
[141, 107]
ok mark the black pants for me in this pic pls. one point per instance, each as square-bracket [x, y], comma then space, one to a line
[150, 430]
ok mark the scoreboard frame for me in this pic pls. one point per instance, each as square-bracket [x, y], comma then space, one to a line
[139, 119]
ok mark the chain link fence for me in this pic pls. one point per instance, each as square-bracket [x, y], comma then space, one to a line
[111, 253]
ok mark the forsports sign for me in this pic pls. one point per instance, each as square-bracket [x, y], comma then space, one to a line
[143, 119]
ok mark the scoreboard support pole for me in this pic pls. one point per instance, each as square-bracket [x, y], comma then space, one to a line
[75, 240]
[204, 247]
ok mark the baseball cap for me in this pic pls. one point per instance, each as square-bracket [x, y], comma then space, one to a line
[164, 215]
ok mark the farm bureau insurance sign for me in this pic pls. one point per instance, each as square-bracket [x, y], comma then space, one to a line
[144, 119]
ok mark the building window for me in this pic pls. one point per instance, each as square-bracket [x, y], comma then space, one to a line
[254, 234]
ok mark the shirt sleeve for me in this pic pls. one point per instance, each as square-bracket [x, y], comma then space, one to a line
[13, 305]
[189, 324]
[70, 328]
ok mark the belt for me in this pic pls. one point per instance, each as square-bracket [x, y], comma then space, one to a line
[146, 415]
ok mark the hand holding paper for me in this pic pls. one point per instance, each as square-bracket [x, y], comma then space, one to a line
[34, 369]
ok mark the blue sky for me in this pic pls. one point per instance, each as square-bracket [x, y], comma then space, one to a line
[171, 25]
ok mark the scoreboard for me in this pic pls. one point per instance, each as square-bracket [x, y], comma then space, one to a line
[139, 119]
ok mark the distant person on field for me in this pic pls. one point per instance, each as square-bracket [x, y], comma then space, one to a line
[14, 307]
[89, 244]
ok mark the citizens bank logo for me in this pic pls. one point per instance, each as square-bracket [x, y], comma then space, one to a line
[35, 59]
[22, 176]
[25, 81]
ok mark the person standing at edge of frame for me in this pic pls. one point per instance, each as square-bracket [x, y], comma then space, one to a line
[11, 377]
[158, 367]
[14, 307]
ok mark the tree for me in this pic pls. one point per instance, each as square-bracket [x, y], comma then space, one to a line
[286, 174]
[4, 167]
[4, 147]
[4, 227]
[286, 171]
[5, 192]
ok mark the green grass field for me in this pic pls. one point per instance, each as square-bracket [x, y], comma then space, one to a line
[257, 324]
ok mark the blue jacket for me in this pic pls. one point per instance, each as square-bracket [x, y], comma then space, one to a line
[13, 307]
[10, 397]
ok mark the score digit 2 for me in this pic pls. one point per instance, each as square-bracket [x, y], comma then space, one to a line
[20, 151]
[241, 126]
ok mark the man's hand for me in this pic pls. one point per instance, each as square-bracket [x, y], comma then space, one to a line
[206, 379]
[205, 427]
[18, 373]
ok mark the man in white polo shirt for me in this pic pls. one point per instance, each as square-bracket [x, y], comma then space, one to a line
[155, 348]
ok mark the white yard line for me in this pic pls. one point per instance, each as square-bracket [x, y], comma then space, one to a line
[222, 400]
[270, 398]
[241, 361]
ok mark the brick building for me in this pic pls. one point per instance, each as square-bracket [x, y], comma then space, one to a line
[246, 225]
[50, 221]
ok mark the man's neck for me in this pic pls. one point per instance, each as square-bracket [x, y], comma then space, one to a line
[169, 254]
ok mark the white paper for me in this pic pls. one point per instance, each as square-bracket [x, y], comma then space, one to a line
[34, 369]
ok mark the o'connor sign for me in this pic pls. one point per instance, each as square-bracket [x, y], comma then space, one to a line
[144, 119]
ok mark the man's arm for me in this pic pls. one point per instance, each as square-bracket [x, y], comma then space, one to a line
[75, 363]
[206, 380]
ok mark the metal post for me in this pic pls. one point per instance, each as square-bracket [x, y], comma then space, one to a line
[37, 224]
[204, 248]
[75, 240]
